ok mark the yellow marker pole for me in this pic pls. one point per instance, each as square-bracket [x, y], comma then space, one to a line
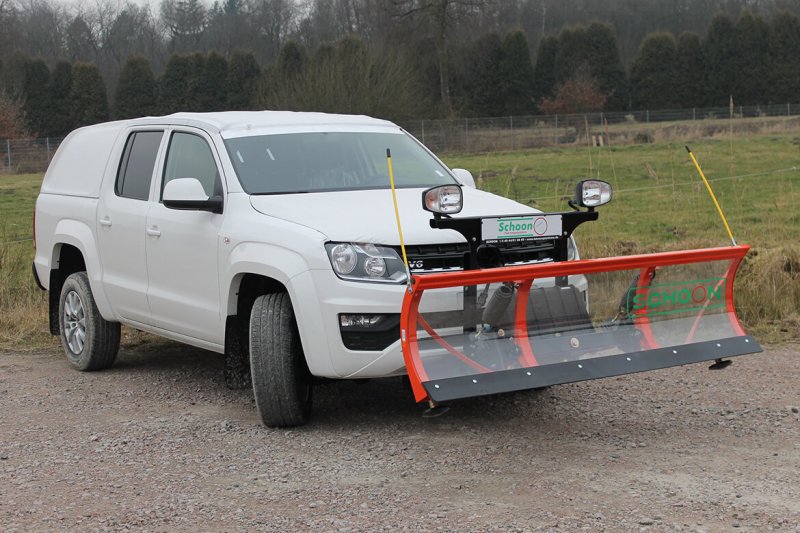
[711, 192]
[397, 217]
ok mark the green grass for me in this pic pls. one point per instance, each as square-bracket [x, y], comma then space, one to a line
[24, 322]
[659, 198]
[659, 203]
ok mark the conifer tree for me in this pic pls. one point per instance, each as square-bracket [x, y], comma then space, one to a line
[292, 58]
[689, 80]
[215, 76]
[88, 98]
[483, 73]
[606, 66]
[721, 54]
[243, 76]
[784, 78]
[60, 122]
[196, 98]
[136, 93]
[652, 73]
[753, 66]
[572, 54]
[544, 73]
[36, 97]
[516, 75]
[174, 89]
[593, 54]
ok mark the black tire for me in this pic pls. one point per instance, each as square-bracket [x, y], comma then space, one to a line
[281, 380]
[90, 341]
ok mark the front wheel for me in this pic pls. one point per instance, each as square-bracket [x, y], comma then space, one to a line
[281, 380]
[90, 341]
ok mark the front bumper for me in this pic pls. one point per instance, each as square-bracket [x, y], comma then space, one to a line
[335, 296]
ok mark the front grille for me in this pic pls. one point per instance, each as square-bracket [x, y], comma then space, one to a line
[453, 256]
[432, 257]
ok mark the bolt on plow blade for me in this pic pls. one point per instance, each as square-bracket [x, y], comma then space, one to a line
[506, 329]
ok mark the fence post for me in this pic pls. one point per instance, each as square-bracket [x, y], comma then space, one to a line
[788, 109]
[694, 113]
[466, 134]
[513, 139]
[423, 131]
[647, 116]
[8, 149]
[47, 141]
[555, 135]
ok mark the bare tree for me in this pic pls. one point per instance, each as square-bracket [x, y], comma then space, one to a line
[273, 21]
[81, 44]
[440, 16]
[185, 21]
[229, 27]
[10, 36]
[43, 24]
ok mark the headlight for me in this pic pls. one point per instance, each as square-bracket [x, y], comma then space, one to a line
[344, 258]
[592, 193]
[366, 262]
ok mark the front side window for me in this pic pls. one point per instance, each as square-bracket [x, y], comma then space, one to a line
[189, 156]
[136, 167]
[314, 162]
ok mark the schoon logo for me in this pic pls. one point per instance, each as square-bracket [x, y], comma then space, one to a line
[676, 297]
[521, 228]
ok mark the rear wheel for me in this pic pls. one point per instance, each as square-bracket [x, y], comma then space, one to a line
[90, 341]
[281, 380]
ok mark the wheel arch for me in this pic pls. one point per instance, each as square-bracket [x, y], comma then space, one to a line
[252, 278]
[76, 234]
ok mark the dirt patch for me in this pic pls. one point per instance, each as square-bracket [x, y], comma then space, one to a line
[159, 443]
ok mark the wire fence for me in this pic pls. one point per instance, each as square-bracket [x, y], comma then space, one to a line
[469, 135]
[23, 156]
[465, 135]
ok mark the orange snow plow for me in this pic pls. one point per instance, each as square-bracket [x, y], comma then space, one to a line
[494, 328]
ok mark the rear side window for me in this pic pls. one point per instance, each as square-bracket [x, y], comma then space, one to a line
[136, 168]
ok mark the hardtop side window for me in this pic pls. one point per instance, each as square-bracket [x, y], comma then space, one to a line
[189, 156]
[136, 167]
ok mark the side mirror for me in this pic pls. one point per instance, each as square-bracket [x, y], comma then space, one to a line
[592, 193]
[188, 193]
[464, 177]
[443, 200]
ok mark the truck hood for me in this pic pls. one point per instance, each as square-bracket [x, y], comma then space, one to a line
[368, 215]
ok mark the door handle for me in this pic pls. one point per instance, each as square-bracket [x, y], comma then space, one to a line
[153, 231]
[105, 221]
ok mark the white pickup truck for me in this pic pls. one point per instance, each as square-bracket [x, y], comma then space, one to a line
[269, 237]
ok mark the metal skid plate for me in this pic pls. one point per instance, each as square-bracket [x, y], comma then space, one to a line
[531, 326]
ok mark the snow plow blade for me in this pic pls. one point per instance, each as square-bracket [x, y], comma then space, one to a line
[531, 326]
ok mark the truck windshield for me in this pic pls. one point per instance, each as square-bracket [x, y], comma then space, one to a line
[314, 162]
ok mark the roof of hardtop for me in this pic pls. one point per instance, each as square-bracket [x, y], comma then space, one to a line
[237, 120]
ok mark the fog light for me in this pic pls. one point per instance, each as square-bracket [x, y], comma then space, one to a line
[359, 321]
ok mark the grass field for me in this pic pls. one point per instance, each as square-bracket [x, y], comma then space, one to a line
[24, 321]
[659, 203]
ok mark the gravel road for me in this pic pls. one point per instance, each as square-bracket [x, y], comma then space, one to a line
[159, 444]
